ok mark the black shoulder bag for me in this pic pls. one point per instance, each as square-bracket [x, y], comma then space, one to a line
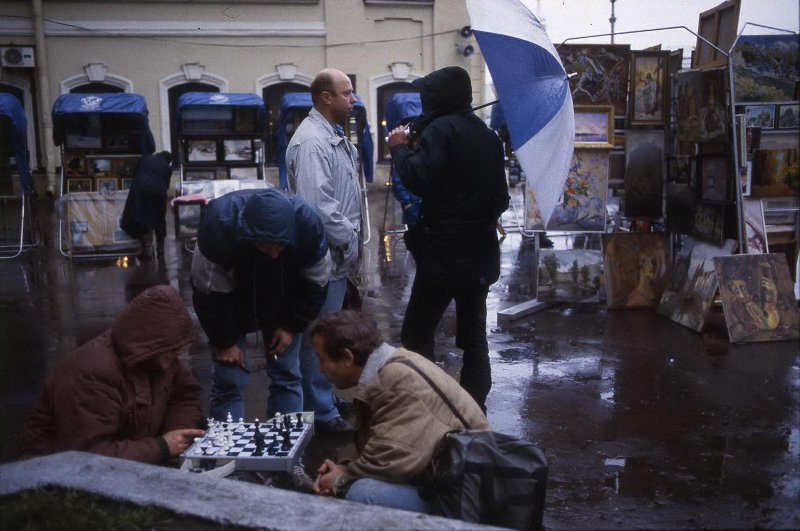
[486, 477]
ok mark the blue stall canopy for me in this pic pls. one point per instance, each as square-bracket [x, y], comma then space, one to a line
[402, 106]
[292, 102]
[498, 119]
[11, 107]
[131, 105]
[211, 101]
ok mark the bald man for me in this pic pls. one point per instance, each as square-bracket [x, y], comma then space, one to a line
[322, 166]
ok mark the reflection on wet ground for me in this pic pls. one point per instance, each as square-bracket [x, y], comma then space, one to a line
[645, 423]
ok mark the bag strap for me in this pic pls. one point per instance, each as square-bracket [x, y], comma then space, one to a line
[438, 391]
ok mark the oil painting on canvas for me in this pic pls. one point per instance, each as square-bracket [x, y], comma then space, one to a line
[765, 68]
[757, 298]
[602, 73]
[570, 275]
[583, 203]
[700, 106]
[636, 266]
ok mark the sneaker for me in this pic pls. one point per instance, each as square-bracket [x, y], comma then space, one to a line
[335, 426]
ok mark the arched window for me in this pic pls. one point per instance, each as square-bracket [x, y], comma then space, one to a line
[96, 87]
[384, 93]
[175, 93]
[272, 95]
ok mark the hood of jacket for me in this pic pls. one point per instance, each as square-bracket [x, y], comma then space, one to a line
[154, 323]
[444, 91]
[267, 216]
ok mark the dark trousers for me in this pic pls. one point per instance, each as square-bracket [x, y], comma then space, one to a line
[430, 296]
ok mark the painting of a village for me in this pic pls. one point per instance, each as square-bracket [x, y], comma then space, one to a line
[570, 276]
[693, 283]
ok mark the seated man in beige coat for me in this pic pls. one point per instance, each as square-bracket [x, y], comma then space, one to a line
[401, 419]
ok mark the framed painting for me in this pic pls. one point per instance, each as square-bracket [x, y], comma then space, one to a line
[201, 150]
[754, 227]
[635, 269]
[765, 68]
[757, 298]
[709, 220]
[79, 185]
[649, 89]
[100, 167]
[789, 116]
[776, 173]
[681, 199]
[243, 172]
[106, 184]
[762, 116]
[693, 283]
[199, 174]
[594, 126]
[602, 74]
[570, 276]
[124, 167]
[75, 166]
[681, 169]
[125, 184]
[583, 204]
[238, 150]
[644, 173]
[713, 174]
[700, 107]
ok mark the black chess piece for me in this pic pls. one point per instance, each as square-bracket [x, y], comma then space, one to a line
[258, 437]
[275, 423]
[287, 440]
[299, 423]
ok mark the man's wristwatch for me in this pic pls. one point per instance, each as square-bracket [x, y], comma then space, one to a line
[340, 486]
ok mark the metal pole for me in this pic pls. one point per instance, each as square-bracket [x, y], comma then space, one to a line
[612, 20]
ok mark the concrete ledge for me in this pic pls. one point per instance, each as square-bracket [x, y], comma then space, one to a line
[522, 310]
[224, 501]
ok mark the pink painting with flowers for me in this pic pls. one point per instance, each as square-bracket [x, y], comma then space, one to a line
[583, 203]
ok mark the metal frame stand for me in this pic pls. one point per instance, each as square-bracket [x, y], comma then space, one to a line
[18, 249]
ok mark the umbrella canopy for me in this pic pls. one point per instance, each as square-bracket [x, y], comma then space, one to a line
[401, 106]
[11, 108]
[293, 102]
[192, 101]
[534, 90]
[130, 107]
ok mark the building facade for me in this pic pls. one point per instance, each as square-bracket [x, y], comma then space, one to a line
[162, 49]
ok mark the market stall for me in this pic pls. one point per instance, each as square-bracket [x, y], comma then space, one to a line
[16, 186]
[295, 106]
[102, 137]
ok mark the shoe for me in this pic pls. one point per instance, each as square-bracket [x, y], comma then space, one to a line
[335, 426]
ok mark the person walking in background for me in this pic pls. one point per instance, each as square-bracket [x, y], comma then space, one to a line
[146, 207]
[457, 169]
[125, 393]
[261, 263]
[322, 167]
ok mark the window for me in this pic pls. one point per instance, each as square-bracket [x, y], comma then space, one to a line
[174, 95]
[96, 87]
[384, 93]
[272, 99]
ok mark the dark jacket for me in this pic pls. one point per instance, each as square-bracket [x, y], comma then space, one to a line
[236, 288]
[107, 396]
[458, 171]
[146, 206]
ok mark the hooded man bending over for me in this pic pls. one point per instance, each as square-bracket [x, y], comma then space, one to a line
[401, 420]
[125, 393]
[261, 263]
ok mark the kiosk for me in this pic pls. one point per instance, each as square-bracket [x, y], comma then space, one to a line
[15, 178]
[401, 107]
[102, 137]
[295, 106]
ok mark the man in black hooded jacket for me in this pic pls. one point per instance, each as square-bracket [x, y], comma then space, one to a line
[457, 169]
[146, 207]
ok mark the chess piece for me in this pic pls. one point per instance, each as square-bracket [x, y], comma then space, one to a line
[299, 423]
[259, 439]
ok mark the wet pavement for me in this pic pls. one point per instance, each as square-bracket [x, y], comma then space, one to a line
[646, 424]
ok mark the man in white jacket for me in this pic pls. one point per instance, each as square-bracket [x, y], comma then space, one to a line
[322, 167]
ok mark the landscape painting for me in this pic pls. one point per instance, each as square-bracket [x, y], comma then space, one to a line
[775, 173]
[693, 283]
[765, 68]
[602, 73]
[570, 276]
[583, 203]
[758, 298]
[700, 106]
[636, 268]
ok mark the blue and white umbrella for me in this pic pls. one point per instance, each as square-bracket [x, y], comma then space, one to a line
[534, 90]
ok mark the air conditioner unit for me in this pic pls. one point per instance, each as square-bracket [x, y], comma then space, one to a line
[16, 57]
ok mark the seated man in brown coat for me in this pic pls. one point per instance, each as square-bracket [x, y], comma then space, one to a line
[123, 394]
[401, 419]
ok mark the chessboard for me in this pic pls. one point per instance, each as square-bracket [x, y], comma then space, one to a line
[273, 445]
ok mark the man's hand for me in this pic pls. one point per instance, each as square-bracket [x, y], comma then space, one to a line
[179, 440]
[327, 474]
[280, 340]
[398, 136]
[232, 355]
